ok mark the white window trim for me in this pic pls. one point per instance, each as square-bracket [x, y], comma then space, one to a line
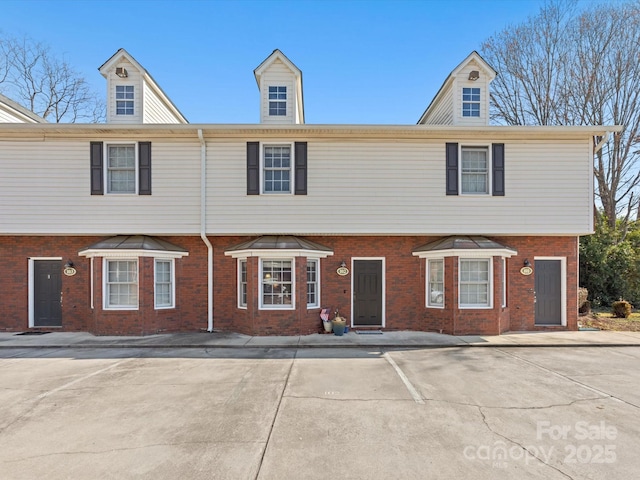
[427, 283]
[504, 282]
[116, 99]
[488, 148]
[292, 187]
[173, 283]
[106, 167]
[311, 306]
[261, 305]
[563, 286]
[105, 271]
[490, 289]
[239, 287]
[462, 103]
[286, 101]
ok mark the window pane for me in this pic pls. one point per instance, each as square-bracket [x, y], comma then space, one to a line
[121, 165]
[474, 282]
[163, 284]
[242, 284]
[312, 283]
[277, 286]
[436, 283]
[122, 283]
[277, 169]
[475, 170]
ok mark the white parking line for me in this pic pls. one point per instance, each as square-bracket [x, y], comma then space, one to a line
[412, 390]
[89, 375]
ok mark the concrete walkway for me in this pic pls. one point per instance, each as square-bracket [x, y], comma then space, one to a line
[402, 339]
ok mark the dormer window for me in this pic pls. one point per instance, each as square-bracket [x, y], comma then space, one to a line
[470, 102]
[124, 99]
[278, 101]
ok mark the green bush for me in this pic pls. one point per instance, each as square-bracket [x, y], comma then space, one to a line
[621, 309]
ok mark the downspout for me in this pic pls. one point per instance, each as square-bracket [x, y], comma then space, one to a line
[203, 229]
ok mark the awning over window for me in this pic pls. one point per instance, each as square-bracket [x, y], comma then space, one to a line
[458, 246]
[133, 246]
[279, 246]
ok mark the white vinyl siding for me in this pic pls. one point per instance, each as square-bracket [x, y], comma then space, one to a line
[278, 74]
[155, 109]
[120, 284]
[36, 197]
[475, 282]
[435, 283]
[134, 80]
[355, 188]
[164, 288]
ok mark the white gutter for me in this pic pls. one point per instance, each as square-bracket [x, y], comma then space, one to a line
[203, 229]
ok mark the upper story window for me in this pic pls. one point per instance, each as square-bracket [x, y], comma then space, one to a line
[121, 169]
[474, 174]
[124, 99]
[471, 102]
[277, 169]
[278, 101]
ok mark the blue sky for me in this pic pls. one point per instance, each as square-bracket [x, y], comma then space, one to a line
[363, 61]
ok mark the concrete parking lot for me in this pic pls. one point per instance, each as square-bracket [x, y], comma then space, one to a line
[359, 413]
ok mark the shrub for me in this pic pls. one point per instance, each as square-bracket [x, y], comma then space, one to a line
[583, 294]
[585, 308]
[621, 309]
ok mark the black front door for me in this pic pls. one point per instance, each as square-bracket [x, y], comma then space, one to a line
[367, 293]
[548, 292]
[47, 290]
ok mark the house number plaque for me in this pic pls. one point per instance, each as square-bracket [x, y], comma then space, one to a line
[342, 271]
[69, 271]
[526, 270]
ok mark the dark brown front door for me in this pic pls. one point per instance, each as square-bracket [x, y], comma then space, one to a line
[47, 290]
[367, 293]
[548, 292]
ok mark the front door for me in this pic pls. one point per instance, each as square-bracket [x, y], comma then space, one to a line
[367, 293]
[47, 292]
[548, 282]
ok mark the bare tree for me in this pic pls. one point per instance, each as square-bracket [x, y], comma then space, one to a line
[564, 67]
[32, 76]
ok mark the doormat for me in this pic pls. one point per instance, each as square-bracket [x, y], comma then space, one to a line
[369, 332]
[32, 333]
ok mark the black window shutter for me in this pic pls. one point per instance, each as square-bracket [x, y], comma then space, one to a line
[253, 168]
[97, 169]
[452, 168]
[301, 168]
[144, 168]
[497, 153]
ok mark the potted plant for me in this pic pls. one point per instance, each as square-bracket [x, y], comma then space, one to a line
[339, 323]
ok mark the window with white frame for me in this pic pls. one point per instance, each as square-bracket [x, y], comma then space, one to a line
[313, 283]
[277, 284]
[435, 283]
[277, 100]
[124, 99]
[277, 169]
[470, 102]
[121, 168]
[242, 283]
[163, 288]
[121, 284]
[474, 171]
[475, 283]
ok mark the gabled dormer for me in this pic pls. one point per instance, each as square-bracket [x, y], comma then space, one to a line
[463, 98]
[280, 85]
[12, 112]
[133, 96]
